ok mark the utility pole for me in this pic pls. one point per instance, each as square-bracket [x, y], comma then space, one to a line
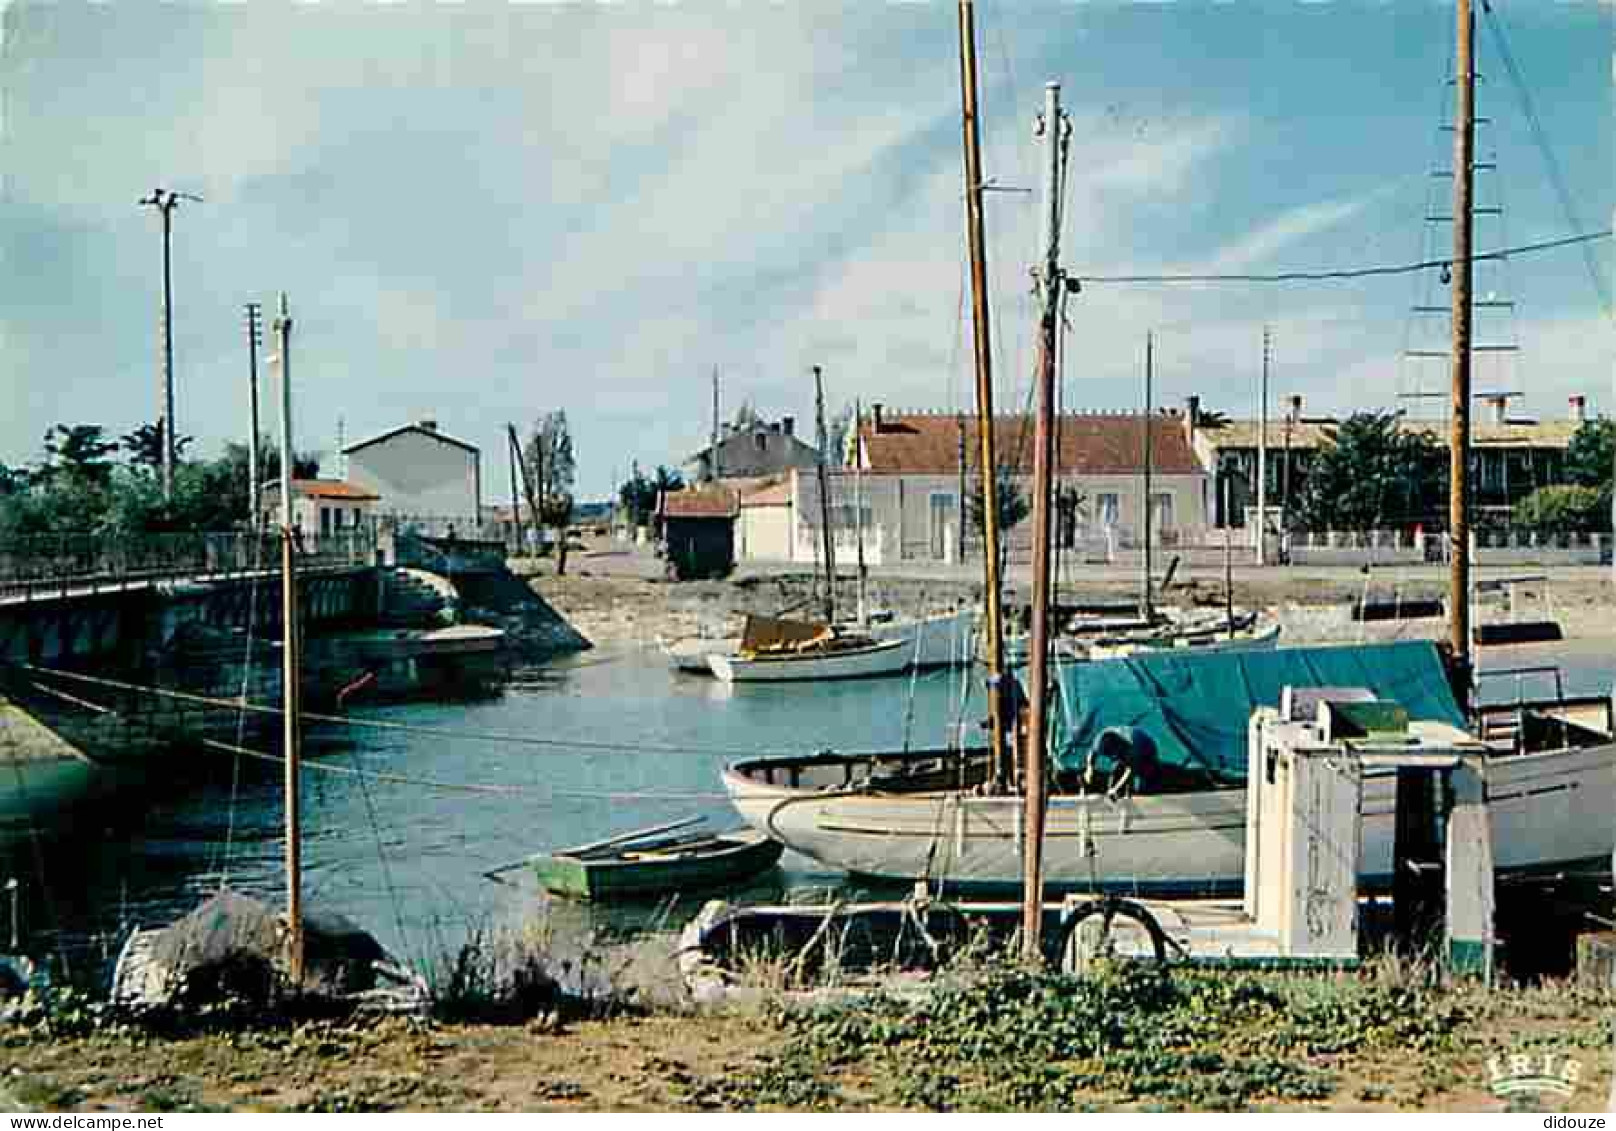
[824, 501]
[1262, 457]
[1051, 282]
[290, 666]
[1150, 610]
[1464, 140]
[993, 621]
[254, 487]
[165, 201]
[515, 454]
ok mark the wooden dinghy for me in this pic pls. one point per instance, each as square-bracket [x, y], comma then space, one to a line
[665, 860]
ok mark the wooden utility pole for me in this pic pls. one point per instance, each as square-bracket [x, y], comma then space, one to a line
[993, 623]
[516, 502]
[826, 539]
[1464, 139]
[255, 488]
[1051, 282]
[1150, 608]
[527, 480]
[291, 692]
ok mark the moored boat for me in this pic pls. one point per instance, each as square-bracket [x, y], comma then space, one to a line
[647, 868]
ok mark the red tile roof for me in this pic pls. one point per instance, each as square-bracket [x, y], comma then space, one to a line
[699, 502]
[1094, 444]
[326, 489]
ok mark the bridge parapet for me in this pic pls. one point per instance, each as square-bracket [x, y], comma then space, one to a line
[65, 565]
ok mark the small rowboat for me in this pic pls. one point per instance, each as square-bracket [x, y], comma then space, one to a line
[645, 866]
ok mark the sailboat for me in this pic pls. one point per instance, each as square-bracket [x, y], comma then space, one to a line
[775, 650]
[1147, 797]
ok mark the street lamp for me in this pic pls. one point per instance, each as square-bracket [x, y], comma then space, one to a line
[165, 201]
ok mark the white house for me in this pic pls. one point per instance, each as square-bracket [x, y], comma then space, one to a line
[320, 507]
[423, 476]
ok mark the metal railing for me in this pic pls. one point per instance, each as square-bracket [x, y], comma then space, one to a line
[60, 565]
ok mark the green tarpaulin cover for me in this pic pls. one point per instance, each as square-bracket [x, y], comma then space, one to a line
[1188, 713]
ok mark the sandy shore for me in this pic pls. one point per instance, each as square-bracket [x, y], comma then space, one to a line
[616, 596]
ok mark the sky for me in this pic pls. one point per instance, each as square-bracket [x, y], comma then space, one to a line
[481, 212]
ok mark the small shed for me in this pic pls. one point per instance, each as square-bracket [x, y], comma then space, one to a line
[698, 531]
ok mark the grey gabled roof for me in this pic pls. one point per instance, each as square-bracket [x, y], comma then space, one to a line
[432, 432]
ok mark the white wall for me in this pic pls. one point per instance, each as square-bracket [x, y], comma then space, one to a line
[764, 534]
[420, 475]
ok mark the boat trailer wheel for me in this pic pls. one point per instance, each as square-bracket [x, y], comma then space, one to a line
[1107, 910]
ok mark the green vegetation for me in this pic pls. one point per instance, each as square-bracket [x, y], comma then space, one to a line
[1376, 474]
[1130, 1035]
[80, 487]
[1569, 509]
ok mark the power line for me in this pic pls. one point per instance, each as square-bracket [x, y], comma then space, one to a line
[1350, 273]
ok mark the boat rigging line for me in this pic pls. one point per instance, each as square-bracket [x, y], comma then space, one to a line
[414, 728]
[1348, 273]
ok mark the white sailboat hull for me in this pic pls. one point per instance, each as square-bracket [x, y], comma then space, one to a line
[933, 641]
[885, 658]
[1549, 811]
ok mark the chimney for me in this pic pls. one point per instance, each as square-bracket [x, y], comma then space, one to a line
[1579, 408]
[1497, 409]
[875, 417]
[788, 425]
[1296, 407]
[427, 424]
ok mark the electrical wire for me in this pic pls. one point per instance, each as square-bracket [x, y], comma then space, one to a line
[1348, 273]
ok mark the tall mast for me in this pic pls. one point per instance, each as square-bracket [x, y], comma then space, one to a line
[290, 667]
[993, 628]
[515, 454]
[1051, 281]
[1464, 141]
[858, 506]
[824, 501]
[1262, 456]
[1150, 351]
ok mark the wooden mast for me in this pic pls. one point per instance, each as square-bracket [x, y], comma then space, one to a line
[1459, 437]
[993, 625]
[1150, 611]
[824, 502]
[290, 666]
[1051, 281]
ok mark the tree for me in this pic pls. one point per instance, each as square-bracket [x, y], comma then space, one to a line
[80, 450]
[145, 446]
[639, 494]
[550, 462]
[1564, 509]
[1014, 507]
[1589, 455]
[839, 437]
[1376, 473]
[745, 416]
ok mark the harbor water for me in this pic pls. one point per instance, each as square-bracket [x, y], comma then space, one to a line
[402, 820]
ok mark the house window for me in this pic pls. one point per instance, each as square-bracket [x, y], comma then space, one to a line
[944, 525]
[325, 521]
[760, 440]
[1106, 509]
